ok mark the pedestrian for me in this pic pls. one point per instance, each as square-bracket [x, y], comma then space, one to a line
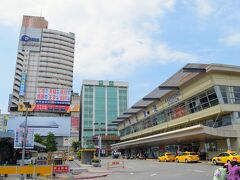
[220, 173]
[233, 170]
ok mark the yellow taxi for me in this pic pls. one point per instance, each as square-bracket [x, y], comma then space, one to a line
[187, 157]
[225, 157]
[69, 158]
[165, 157]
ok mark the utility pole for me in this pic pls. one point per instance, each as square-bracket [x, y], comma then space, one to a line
[99, 139]
[27, 105]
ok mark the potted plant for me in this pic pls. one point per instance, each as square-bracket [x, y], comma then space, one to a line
[96, 162]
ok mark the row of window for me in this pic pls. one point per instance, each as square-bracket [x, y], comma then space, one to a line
[194, 104]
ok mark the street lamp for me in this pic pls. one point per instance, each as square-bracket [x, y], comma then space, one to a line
[27, 105]
[99, 140]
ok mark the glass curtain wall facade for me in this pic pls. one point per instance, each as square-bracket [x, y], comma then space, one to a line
[102, 103]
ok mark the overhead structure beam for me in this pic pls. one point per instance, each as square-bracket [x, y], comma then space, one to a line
[138, 107]
[193, 69]
[151, 99]
[130, 113]
[168, 87]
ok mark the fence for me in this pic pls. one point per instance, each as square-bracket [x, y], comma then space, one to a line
[39, 170]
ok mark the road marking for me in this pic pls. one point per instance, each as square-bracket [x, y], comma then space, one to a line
[199, 171]
[130, 167]
[131, 173]
[153, 174]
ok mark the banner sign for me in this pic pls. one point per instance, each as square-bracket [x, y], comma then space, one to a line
[53, 96]
[51, 108]
[18, 139]
[22, 84]
[74, 122]
[60, 169]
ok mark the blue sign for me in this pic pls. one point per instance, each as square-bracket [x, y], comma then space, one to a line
[22, 84]
[26, 38]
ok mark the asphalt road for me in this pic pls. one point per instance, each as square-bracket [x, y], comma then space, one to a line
[154, 170]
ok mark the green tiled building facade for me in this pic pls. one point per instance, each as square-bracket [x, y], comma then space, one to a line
[101, 103]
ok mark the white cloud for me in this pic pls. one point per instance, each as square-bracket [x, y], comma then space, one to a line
[204, 7]
[231, 40]
[112, 36]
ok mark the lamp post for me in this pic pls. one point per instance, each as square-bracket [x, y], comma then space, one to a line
[27, 105]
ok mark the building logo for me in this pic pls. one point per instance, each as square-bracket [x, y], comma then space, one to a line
[26, 38]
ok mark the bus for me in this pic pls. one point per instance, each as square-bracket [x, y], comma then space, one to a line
[30, 157]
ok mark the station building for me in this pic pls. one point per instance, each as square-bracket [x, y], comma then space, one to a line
[197, 109]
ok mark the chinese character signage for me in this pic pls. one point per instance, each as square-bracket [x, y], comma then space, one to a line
[51, 108]
[60, 169]
[22, 84]
[53, 96]
[74, 122]
[18, 140]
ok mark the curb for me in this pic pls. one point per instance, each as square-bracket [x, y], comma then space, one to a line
[91, 177]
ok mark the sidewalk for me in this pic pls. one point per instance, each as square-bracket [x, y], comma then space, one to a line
[92, 172]
[87, 172]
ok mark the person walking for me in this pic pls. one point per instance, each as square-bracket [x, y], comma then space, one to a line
[220, 173]
[233, 170]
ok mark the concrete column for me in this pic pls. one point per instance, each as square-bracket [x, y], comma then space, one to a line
[229, 144]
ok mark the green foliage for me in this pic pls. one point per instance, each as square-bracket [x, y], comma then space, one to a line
[38, 138]
[51, 142]
[75, 145]
[79, 154]
[95, 160]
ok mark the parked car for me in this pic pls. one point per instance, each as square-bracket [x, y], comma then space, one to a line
[225, 157]
[116, 154]
[167, 156]
[187, 157]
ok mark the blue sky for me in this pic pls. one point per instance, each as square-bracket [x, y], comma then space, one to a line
[138, 41]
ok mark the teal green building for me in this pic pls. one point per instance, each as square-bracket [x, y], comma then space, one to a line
[101, 103]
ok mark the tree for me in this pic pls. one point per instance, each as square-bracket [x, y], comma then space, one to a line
[75, 145]
[38, 138]
[51, 142]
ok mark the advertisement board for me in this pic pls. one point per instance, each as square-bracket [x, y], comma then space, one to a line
[74, 122]
[22, 108]
[59, 126]
[22, 84]
[67, 141]
[51, 108]
[53, 96]
[18, 138]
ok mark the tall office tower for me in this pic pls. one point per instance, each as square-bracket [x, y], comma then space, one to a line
[44, 68]
[101, 103]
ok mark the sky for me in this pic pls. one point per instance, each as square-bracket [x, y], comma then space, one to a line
[137, 41]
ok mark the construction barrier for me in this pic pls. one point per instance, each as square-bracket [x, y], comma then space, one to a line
[115, 164]
[41, 170]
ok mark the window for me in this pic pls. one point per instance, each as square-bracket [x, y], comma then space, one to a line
[194, 104]
[230, 94]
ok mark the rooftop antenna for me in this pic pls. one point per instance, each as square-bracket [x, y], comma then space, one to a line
[41, 12]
